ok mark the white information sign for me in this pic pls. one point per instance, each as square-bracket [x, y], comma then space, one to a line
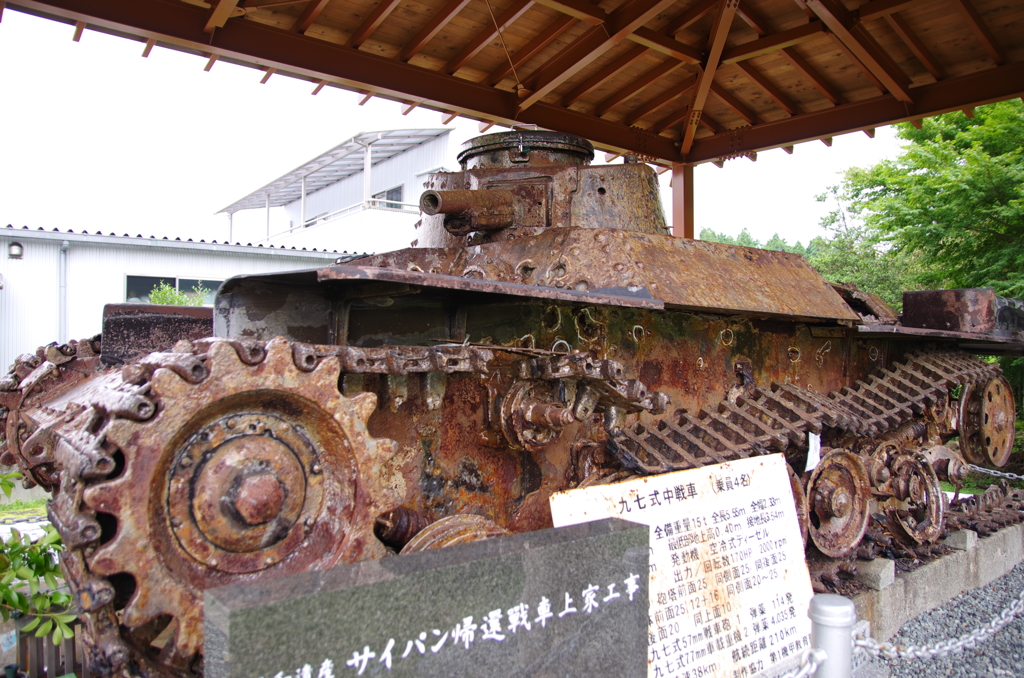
[729, 585]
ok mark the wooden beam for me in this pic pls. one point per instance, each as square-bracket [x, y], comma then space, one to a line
[636, 86]
[79, 28]
[827, 141]
[596, 80]
[774, 42]
[309, 15]
[270, 72]
[659, 42]
[372, 21]
[689, 17]
[577, 9]
[788, 149]
[880, 8]
[752, 19]
[711, 124]
[764, 83]
[367, 97]
[969, 112]
[858, 63]
[751, 156]
[210, 62]
[609, 157]
[484, 126]
[1, 10]
[447, 117]
[408, 107]
[917, 123]
[977, 24]
[952, 94]
[716, 44]
[659, 101]
[319, 86]
[148, 48]
[589, 46]
[682, 201]
[844, 25]
[816, 79]
[219, 15]
[870, 131]
[530, 49]
[899, 25]
[514, 11]
[433, 27]
[735, 104]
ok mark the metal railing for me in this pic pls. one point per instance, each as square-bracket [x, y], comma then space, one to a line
[834, 643]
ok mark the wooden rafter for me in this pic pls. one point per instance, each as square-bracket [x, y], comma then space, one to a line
[752, 19]
[822, 85]
[735, 104]
[711, 124]
[879, 8]
[844, 25]
[578, 9]
[309, 15]
[857, 62]
[636, 86]
[977, 24]
[716, 44]
[764, 83]
[689, 17]
[591, 45]
[433, 27]
[372, 21]
[773, 43]
[530, 49]
[910, 39]
[219, 14]
[514, 11]
[596, 80]
[659, 42]
[660, 101]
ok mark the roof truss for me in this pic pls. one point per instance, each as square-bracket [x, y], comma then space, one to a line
[677, 81]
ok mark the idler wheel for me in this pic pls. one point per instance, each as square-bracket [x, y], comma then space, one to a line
[917, 508]
[800, 499]
[837, 502]
[454, 530]
[987, 415]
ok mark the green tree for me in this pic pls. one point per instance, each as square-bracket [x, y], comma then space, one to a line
[746, 240]
[166, 294]
[709, 235]
[954, 197]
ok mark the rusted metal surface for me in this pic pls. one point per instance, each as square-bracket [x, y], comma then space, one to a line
[437, 395]
[978, 311]
[130, 331]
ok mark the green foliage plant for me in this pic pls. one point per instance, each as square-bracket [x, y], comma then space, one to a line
[29, 574]
[166, 294]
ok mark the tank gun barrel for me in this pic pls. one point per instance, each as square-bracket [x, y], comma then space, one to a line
[468, 211]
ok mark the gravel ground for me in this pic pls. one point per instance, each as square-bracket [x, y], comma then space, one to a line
[1002, 655]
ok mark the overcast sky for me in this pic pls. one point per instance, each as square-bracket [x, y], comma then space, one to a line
[97, 138]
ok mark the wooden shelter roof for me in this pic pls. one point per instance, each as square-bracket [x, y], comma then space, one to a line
[677, 81]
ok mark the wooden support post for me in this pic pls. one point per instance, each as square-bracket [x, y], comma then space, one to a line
[79, 27]
[148, 48]
[319, 86]
[682, 200]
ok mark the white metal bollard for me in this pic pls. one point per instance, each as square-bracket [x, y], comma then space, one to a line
[832, 620]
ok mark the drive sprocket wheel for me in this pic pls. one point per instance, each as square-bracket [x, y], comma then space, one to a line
[257, 469]
[987, 415]
[917, 508]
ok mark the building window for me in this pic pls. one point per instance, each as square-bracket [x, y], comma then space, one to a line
[138, 287]
[390, 194]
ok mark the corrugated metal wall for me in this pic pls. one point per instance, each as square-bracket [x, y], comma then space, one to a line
[405, 169]
[97, 270]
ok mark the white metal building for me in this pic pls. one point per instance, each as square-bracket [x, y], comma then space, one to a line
[360, 196]
[54, 284]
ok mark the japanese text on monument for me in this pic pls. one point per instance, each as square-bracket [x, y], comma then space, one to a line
[729, 586]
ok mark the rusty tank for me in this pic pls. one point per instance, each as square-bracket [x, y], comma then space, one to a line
[546, 332]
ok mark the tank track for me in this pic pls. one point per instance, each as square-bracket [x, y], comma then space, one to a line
[772, 420]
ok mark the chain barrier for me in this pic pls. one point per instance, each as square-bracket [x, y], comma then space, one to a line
[809, 663]
[998, 474]
[945, 648]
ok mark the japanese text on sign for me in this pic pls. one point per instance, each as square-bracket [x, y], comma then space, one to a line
[729, 585]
